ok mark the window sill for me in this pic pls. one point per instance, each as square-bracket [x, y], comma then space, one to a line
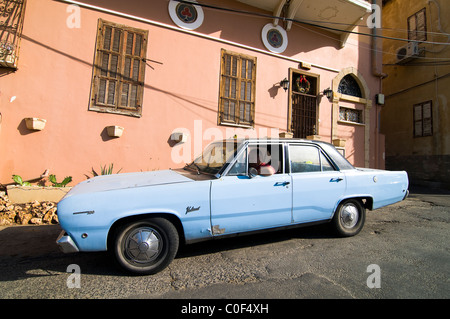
[350, 123]
[236, 125]
[115, 111]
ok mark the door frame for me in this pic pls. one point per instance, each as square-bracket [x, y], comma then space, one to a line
[315, 93]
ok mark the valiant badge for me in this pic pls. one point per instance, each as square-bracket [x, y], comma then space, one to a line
[190, 209]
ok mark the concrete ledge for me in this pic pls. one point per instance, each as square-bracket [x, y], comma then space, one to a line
[26, 194]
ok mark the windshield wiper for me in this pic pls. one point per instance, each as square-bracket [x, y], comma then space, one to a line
[196, 167]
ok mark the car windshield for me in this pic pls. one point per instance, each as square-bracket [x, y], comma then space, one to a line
[215, 157]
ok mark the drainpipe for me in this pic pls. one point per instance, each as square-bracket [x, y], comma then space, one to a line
[377, 71]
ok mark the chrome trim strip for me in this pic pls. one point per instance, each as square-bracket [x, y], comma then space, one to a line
[89, 212]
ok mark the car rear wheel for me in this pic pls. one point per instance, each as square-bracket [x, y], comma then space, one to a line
[146, 246]
[349, 218]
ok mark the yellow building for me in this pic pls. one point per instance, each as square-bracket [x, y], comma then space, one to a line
[416, 116]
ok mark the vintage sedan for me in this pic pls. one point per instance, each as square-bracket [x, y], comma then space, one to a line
[234, 187]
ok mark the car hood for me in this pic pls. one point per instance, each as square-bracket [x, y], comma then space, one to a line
[127, 180]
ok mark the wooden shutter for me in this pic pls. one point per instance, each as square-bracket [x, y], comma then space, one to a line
[119, 70]
[417, 26]
[237, 89]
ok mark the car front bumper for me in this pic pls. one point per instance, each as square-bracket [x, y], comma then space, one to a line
[66, 243]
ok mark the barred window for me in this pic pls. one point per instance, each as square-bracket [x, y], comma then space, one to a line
[119, 69]
[351, 115]
[237, 89]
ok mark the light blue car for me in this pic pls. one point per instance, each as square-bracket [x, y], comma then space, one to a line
[235, 187]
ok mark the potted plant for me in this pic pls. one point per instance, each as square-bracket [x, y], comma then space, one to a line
[103, 171]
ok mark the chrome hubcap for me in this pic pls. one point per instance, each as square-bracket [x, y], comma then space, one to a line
[349, 216]
[143, 245]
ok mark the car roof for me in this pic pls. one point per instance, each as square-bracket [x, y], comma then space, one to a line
[277, 139]
[330, 149]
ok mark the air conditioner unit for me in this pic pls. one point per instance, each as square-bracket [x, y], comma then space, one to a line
[407, 52]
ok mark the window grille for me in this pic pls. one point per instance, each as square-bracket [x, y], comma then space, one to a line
[349, 86]
[351, 115]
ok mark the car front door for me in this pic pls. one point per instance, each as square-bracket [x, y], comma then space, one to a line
[316, 185]
[255, 194]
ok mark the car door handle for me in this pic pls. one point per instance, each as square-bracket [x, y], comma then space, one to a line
[282, 183]
[336, 180]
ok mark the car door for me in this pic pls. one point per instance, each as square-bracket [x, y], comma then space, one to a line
[241, 203]
[317, 186]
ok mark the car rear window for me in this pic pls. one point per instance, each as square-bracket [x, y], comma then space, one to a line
[336, 157]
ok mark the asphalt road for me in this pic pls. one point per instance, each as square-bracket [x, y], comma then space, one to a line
[402, 252]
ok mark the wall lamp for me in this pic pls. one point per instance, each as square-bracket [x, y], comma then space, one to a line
[328, 93]
[284, 84]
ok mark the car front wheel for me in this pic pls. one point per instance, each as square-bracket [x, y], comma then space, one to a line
[349, 218]
[146, 246]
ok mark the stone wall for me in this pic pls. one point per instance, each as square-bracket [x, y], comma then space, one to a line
[34, 213]
[423, 170]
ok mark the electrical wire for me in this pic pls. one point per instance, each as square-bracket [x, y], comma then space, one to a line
[443, 63]
[427, 61]
[305, 22]
[438, 61]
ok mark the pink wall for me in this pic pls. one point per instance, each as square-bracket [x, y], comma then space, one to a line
[54, 78]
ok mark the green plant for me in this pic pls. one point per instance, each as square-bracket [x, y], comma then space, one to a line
[104, 171]
[18, 179]
[66, 180]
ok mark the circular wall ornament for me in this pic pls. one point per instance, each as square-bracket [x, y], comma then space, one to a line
[185, 15]
[274, 38]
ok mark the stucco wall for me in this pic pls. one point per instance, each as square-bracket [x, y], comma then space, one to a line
[181, 89]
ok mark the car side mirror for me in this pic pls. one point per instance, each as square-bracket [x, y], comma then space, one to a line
[252, 172]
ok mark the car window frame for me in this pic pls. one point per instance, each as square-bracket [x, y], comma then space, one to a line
[236, 157]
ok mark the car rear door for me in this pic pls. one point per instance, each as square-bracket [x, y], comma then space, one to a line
[316, 184]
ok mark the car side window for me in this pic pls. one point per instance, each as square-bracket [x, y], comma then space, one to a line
[305, 159]
[265, 159]
[262, 159]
